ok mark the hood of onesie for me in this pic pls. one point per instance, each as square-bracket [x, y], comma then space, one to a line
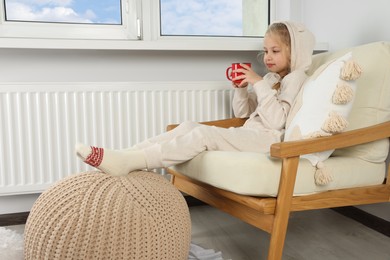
[302, 45]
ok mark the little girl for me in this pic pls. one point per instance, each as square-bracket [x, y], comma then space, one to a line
[288, 48]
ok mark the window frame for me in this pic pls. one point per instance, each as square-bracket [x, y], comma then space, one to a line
[147, 34]
[151, 32]
[158, 14]
[128, 30]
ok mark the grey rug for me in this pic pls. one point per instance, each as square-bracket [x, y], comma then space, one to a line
[11, 248]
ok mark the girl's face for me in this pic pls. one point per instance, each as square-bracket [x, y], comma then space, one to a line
[276, 55]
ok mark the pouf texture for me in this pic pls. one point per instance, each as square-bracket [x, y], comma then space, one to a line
[93, 215]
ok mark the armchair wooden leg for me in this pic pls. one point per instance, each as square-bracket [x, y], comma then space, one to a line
[282, 210]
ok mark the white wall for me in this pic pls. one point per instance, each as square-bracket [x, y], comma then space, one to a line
[348, 22]
[116, 65]
[339, 23]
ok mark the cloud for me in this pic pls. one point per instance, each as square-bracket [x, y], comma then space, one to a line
[24, 12]
[42, 2]
[201, 17]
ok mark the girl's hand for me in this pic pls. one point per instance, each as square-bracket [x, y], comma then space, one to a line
[235, 85]
[248, 76]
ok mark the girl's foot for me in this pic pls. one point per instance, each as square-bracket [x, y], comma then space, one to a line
[113, 162]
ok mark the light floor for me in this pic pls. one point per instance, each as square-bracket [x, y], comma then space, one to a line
[312, 235]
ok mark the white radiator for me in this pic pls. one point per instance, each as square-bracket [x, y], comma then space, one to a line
[40, 123]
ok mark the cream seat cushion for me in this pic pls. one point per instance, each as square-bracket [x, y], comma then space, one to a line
[258, 174]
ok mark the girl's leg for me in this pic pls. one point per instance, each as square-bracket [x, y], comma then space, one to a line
[120, 162]
[181, 129]
[185, 147]
[179, 149]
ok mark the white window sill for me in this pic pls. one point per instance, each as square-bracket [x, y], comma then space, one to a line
[211, 44]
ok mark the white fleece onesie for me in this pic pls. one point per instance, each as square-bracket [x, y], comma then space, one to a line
[266, 108]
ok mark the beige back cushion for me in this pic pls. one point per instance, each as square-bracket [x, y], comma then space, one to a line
[372, 100]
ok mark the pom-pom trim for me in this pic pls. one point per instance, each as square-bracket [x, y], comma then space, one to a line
[350, 71]
[335, 123]
[343, 94]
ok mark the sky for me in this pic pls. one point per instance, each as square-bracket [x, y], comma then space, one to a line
[201, 17]
[78, 11]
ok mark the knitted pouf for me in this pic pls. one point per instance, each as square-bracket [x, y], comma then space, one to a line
[93, 215]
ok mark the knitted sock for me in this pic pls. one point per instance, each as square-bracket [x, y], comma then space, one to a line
[114, 162]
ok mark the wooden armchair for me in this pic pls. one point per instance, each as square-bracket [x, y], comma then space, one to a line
[359, 151]
[272, 214]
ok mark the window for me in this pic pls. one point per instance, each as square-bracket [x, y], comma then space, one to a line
[69, 19]
[134, 24]
[240, 18]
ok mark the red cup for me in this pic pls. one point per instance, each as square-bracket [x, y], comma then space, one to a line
[230, 74]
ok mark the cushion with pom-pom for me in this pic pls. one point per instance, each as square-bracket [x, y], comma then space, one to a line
[323, 106]
[98, 216]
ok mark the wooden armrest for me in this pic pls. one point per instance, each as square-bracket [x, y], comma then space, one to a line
[226, 123]
[345, 139]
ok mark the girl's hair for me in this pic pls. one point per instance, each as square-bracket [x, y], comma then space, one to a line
[281, 30]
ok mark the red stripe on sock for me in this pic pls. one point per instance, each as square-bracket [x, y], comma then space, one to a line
[95, 158]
